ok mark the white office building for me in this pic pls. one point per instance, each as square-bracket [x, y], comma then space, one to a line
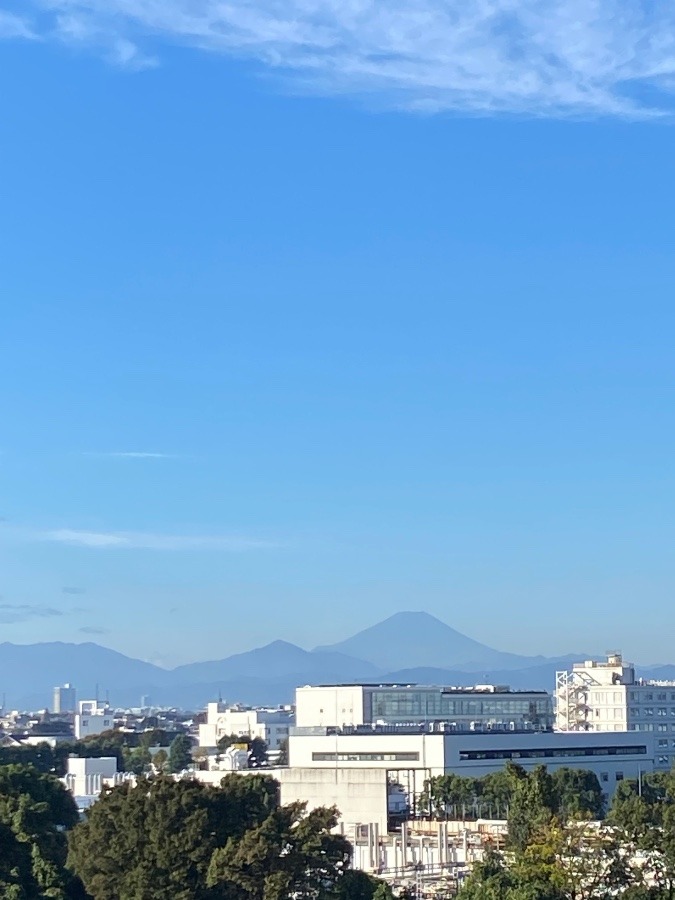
[86, 778]
[606, 696]
[92, 718]
[64, 699]
[271, 725]
[410, 757]
[394, 704]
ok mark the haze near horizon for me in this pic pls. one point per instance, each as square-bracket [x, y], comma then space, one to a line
[323, 315]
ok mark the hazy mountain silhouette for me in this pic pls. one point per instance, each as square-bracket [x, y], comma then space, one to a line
[279, 658]
[409, 639]
[32, 671]
[405, 648]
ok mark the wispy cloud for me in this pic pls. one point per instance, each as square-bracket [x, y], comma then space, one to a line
[80, 25]
[12, 613]
[15, 26]
[133, 540]
[93, 629]
[75, 591]
[538, 57]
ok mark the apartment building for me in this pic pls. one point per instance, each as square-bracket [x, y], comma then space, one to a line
[606, 696]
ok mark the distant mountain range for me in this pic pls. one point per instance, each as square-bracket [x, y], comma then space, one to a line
[406, 647]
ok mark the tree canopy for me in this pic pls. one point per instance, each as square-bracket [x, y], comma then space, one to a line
[158, 837]
[568, 793]
[36, 810]
[290, 854]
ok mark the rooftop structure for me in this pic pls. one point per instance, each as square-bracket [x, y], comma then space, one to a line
[394, 704]
[92, 718]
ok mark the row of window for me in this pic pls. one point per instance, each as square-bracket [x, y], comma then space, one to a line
[638, 750]
[365, 757]
[638, 695]
[636, 711]
[409, 705]
[648, 726]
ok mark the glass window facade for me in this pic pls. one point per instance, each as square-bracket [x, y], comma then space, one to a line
[365, 757]
[637, 750]
[419, 705]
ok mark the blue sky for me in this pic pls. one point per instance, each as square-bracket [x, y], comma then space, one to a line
[315, 315]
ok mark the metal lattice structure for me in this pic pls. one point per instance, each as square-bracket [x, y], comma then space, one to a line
[571, 700]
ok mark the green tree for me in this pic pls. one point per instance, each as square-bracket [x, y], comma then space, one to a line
[383, 892]
[257, 753]
[137, 760]
[489, 880]
[562, 862]
[226, 741]
[644, 816]
[35, 812]
[160, 761]
[532, 807]
[180, 753]
[497, 790]
[290, 854]
[578, 794]
[43, 757]
[356, 885]
[155, 840]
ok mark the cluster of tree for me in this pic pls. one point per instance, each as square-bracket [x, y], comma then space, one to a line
[643, 815]
[570, 793]
[131, 750]
[36, 812]
[165, 838]
[555, 852]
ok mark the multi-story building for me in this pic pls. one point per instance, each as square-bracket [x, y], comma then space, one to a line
[271, 725]
[92, 718]
[412, 755]
[64, 699]
[394, 704]
[606, 696]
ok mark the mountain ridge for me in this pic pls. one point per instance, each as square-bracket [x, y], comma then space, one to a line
[269, 674]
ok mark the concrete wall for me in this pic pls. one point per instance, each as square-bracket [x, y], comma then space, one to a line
[86, 725]
[368, 751]
[610, 755]
[326, 706]
[360, 796]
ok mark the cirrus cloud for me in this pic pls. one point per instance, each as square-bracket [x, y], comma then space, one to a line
[15, 26]
[539, 57]
[136, 540]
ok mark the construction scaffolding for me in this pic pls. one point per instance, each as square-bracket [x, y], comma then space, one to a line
[572, 700]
